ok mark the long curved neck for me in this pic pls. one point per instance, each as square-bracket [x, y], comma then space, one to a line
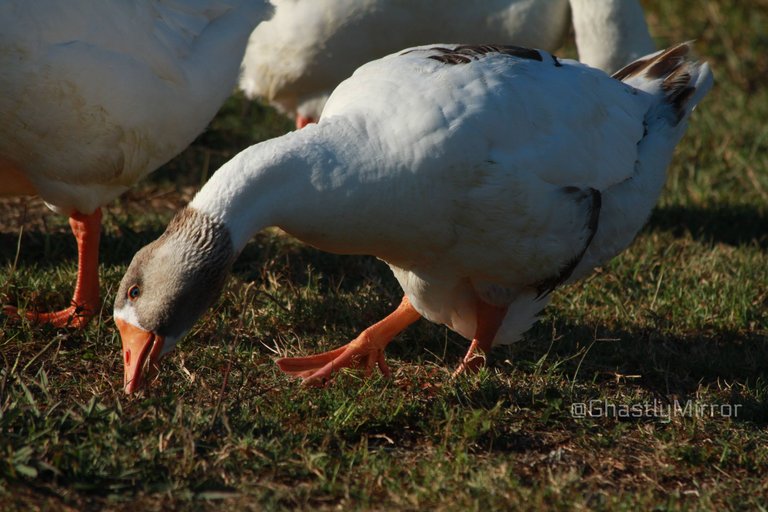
[297, 182]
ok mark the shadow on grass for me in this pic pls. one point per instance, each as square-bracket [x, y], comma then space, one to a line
[50, 250]
[728, 224]
[666, 366]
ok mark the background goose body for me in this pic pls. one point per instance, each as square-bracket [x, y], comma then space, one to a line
[297, 58]
[484, 176]
[97, 95]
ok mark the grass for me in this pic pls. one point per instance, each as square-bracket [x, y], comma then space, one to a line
[682, 315]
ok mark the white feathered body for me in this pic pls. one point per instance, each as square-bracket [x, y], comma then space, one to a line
[298, 57]
[472, 180]
[95, 95]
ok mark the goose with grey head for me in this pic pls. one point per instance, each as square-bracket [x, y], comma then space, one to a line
[484, 176]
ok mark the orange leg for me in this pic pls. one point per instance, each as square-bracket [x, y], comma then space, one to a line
[85, 300]
[368, 346]
[302, 121]
[489, 319]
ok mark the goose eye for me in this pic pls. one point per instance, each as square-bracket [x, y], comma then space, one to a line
[134, 292]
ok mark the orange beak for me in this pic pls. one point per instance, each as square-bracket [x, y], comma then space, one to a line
[140, 348]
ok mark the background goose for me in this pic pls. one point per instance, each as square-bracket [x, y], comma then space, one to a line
[96, 95]
[484, 176]
[298, 57]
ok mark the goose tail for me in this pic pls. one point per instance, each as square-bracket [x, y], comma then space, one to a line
[679, 81]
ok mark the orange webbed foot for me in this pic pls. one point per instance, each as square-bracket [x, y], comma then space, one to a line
[85, 300]
[76, 316]
[489, 319]
[317, 369]
[472, 362]
[366, 351]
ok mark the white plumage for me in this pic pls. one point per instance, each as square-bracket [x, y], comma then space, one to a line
[298, 57]
[96, 95]
[484, 176]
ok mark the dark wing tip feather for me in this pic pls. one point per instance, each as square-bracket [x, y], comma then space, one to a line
[631, 69]
[669, 61]
[676, 70]
[657, 65]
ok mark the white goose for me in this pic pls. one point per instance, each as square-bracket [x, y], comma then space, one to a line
[298, 57]
[484, 176]
[95, 95]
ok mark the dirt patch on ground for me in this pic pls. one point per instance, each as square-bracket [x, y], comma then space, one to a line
[33, 215]
[29, 212]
